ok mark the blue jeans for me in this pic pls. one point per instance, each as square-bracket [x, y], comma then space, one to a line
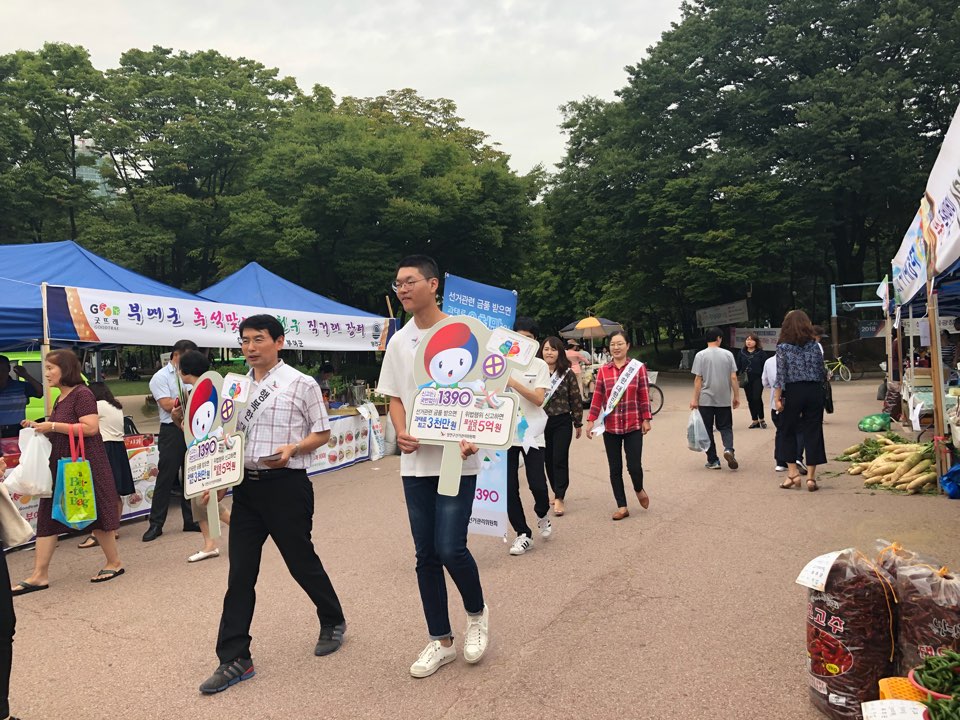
[439, 524]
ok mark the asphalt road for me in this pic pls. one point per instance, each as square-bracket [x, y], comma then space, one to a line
[686, 610]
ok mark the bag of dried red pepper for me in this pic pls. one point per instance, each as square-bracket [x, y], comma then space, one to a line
[849, 631]
[929, 613]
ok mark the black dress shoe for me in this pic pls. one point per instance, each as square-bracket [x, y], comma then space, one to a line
[195, 527]
[152, 533]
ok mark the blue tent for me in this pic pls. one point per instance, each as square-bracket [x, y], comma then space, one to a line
[24, 267]
[255, 285]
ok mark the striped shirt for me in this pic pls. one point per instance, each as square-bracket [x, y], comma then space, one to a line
[288, 419]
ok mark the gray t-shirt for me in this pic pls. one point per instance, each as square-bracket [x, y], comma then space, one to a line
[715, 365]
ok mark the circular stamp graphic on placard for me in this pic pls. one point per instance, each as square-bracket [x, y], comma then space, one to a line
[226, 410]
[494, 366]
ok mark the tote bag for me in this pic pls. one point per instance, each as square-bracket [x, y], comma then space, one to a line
[74, 500]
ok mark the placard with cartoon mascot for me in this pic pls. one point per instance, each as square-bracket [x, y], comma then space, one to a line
[214, 457]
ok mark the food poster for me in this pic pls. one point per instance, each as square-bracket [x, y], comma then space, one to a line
[144, 457]
[349, 443]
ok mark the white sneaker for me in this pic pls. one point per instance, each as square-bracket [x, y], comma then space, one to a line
[433, 657]
[780, 468]
[475, 640]
[521, 545]
[546, 529]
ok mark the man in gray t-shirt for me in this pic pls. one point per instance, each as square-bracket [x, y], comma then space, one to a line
[716, 393]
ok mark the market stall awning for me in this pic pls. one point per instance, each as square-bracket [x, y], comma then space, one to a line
[23, 268]
[257, 286]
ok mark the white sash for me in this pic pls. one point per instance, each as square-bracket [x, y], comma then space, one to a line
[269, 391]
[555, 381]
[626, 377]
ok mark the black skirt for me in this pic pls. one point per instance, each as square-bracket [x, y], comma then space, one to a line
[120, 464]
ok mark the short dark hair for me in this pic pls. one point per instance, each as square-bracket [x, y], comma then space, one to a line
[4, 359]
[181, 346]
[621, 333]
[70, 373]
[526, 324]
[424, 263]
[194, 362]
[263, 322]
[713, 334]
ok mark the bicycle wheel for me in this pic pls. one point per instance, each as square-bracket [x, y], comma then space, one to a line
[844, 373]
[856, 372]
[656, 399]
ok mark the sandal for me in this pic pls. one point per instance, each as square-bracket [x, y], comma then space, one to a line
[105, 575]
[89, 542]
[790, 482]
[812, 485]
[753, 425]
[763, 424]
[23, 587]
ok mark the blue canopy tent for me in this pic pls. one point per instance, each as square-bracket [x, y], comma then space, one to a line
[257, 286]
[23, 268]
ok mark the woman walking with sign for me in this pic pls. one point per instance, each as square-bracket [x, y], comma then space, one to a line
[76, 411]
[564, 407]
[621, 407]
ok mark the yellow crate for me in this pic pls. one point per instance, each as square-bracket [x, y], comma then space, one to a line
[899, 688]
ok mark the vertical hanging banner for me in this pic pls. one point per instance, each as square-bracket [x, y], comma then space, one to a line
[494, 307]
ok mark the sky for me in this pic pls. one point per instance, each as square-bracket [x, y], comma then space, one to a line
[507, 64]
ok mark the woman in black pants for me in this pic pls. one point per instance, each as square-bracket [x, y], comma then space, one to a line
[751, 361]
[8, 623]
[564, 408]
[798, 394]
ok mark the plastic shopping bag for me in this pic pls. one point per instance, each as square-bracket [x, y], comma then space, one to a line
[697, 438]
[32, 476]
[74, 500]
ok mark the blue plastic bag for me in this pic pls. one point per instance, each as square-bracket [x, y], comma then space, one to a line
[950, 482]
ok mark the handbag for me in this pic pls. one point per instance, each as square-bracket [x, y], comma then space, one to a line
[74, 499]
[743, 379]
[14, 530]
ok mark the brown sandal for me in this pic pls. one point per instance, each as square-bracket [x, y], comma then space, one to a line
[812, 485]
[791, 481]
[89, 542]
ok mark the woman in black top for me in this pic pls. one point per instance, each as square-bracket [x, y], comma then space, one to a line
[751, 361]
[564, 408]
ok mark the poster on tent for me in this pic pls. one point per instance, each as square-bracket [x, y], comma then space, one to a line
[495, 307]
[910, 264]
[768, 337]
[942, 201]
[77, 314]
[350, 442]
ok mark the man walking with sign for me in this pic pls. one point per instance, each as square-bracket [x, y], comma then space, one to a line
[438, 522]
[284, 422]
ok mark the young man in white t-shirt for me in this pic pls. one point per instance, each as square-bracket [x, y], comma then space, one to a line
[531, 384]
[438, 522]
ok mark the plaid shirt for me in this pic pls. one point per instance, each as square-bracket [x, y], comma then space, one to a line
[634, 405]
[295, 414]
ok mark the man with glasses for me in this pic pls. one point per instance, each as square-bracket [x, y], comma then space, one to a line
[438, 522]
[284, 422]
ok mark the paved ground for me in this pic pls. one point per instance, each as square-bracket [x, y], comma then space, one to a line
[687, 610]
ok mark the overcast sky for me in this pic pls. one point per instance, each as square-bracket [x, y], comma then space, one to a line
[508, 64]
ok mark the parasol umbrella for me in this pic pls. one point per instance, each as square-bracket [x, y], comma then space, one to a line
[590, 327]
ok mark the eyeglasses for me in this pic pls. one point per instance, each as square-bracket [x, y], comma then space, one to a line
[405, 284]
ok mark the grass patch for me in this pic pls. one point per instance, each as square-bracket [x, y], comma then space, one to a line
[129, 387]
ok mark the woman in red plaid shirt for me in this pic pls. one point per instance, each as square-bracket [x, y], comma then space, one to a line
[621, 404]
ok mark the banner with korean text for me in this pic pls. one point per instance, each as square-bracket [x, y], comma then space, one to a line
[76, 314]
[494, 307]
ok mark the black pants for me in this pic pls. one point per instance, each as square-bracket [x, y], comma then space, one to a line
[559, 435]
[754, 393]
[8, 623]
[778, 454]
[536, 480]
[803, 412]
[172, 448]
[631, 444]
[279, 505]
[723, 418]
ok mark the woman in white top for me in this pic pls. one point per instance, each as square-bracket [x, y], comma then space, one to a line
[110, 411]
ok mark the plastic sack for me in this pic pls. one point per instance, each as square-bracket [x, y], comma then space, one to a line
[875, 423]
[929, 613]
[14, 530]
[32, 476]
[950, 482]
[697, 438]
[850, 634]
[74, 499]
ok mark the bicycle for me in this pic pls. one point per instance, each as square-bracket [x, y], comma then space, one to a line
[654, 392]
[847, 370]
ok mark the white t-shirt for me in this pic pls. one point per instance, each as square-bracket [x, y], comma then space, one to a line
[111, 421]
[769, 377]
[396, 380]
[535, 375]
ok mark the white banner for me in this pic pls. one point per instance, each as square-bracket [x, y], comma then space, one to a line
[349, 443]
[101, 316]
[768, 337]
[943, 195]
[723, 314]
[910, 264]
[489, 516]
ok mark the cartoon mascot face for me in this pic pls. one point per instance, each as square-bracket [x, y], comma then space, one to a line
[203, 409]
[451, 354]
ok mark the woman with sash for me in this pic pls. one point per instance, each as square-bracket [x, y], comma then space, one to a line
[620, 411]
[564, 407]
